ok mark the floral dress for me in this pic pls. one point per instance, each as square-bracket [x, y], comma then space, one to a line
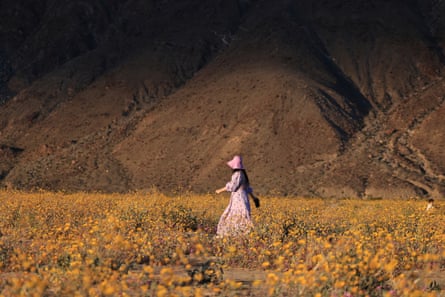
[236, 219]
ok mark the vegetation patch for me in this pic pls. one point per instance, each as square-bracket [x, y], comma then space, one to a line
[55, 244]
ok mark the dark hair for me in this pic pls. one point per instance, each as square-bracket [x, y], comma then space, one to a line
[245, 174]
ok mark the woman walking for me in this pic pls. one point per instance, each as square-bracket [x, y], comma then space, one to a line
[236, 219]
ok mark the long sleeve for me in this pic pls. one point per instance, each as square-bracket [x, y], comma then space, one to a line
[234, 184]
[238, 180]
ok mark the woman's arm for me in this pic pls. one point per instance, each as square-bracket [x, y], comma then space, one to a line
[234, 183]
[220, 190]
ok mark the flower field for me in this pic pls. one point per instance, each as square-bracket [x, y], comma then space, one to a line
[149, 244]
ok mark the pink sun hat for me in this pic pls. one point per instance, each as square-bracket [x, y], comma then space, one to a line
[236, 162]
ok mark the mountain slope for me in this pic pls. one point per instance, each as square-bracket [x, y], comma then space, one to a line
[334, 98]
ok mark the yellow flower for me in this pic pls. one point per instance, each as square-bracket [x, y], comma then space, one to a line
[339, 284]
[272, 279]
[148, 269]
[109, 290]
[161, 291]
[390, 267]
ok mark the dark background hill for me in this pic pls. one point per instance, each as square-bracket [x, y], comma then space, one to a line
[322, 98]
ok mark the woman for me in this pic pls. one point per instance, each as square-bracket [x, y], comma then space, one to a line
[236, 219]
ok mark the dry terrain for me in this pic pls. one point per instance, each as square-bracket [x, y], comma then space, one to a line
[326, 98]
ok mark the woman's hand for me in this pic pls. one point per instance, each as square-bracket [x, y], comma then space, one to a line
[220, 190]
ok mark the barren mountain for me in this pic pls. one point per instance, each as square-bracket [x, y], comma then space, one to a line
[322, 98]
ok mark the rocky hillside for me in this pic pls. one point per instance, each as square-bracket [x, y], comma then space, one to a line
[322, 98]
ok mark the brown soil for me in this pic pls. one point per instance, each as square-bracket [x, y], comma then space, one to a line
[331, 99]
